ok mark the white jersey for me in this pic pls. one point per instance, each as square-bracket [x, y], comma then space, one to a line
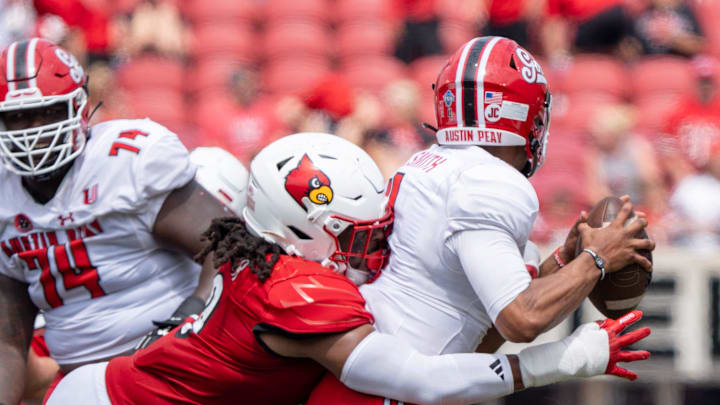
[424, 295]
[88, 255]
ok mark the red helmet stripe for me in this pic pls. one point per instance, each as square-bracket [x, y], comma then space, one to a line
[21, 64]
[10, 68]
[458, 82]
[480, 79]
[469, 89]
[30, 63]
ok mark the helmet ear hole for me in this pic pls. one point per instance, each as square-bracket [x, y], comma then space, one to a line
[512, 62]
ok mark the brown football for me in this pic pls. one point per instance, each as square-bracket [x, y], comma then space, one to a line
[622, 290]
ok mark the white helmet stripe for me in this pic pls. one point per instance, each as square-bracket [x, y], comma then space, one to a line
[480, 80]
[31, 70]
[460, 71]
[10, 68]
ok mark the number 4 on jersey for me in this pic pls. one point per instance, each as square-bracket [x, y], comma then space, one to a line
[132, 134]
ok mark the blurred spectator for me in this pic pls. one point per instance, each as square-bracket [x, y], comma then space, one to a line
[243, 121]
[584, 26]
[87, 25]
[17, 18]
[622, 162]
[694, 126]
[694, 219]
[512, 19]
[419, 36]
[154, 26]
[669, 27]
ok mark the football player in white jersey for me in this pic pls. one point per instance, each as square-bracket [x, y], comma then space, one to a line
[98, 225]
[463, 212]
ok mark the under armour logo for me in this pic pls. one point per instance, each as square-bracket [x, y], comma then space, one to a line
[497, 368]
[69, 217]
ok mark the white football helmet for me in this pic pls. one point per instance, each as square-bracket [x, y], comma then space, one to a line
[321, 197]
[222, 175]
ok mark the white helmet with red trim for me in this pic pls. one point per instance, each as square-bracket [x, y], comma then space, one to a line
[36, 74]
[321, 197]
[492, 92]
[222, 175]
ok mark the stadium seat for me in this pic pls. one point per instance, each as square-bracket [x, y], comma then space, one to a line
[348, 10]
[453, 34]
[372, 74]
[590, 73]
[237, 41]
[151, 72]
[364, 38]
[654, 110]
[312, 10]
[222, 11]
[571, 113]
[293, 75]
[165, 107]
[662, 74]
[296, 37]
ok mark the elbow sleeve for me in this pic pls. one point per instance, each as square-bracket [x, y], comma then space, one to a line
[386, 366]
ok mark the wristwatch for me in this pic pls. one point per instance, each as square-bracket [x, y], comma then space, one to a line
[599, 262]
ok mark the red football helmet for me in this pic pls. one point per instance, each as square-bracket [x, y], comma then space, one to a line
[37, 74]
[492, 92]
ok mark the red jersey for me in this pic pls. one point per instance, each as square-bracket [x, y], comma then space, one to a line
[217, 358]
[331, 391]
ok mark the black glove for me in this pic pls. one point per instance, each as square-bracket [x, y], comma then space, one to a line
[191, 306]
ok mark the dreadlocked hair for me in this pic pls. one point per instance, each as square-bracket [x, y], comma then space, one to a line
[231, 241]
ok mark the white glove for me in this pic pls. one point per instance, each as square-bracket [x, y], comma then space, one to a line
[592, 349]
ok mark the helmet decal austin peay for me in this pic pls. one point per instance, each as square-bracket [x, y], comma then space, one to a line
[37, 74]
[321, 197]
[492, 92]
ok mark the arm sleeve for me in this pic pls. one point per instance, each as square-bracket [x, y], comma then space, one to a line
[386, 366]
[161, 168]
[492, 263]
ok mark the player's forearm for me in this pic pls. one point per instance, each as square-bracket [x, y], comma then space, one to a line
[548, 300]
[12, 374]
[384, 365]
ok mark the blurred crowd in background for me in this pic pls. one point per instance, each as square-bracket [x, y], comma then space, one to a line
[635, 105]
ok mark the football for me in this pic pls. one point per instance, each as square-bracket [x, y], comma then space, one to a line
[622, 290]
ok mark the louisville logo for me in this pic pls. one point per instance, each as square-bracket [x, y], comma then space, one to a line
[307, 181]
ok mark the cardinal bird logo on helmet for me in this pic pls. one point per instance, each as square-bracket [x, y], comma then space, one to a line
[307, 181]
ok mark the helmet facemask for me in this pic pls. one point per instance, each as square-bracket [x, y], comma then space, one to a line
[538, 140]
[42, 150]
[361, 248]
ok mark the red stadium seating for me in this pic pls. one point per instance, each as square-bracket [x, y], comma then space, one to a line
[296, 37]
[453, 34]
[347, 10]
[373, 74]
[572, 113]
[165, 107]
[313, 10]
[209, 76]
[234, 11]
[151, 72]
[236, 41]
[654, 110]
[591, 73]
[662, 74]
[293, 75]
[365, 38]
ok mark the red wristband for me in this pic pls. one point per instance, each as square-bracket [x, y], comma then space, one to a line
[556, 255]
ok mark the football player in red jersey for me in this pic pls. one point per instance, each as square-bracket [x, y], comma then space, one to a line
[280, 312]
[91, 219]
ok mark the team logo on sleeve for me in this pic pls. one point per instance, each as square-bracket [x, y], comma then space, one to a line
[22, 223]
[307, 181]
